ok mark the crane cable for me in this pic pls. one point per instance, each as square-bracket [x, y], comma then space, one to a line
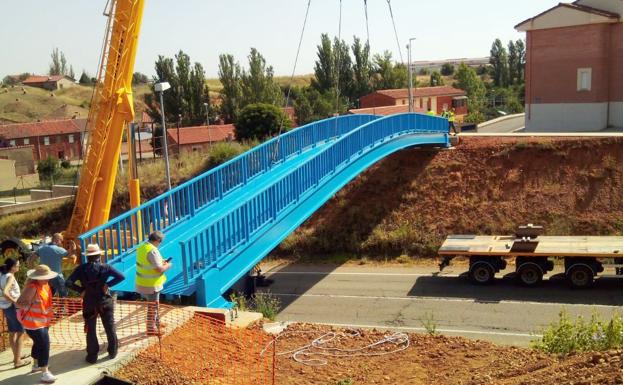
[337, 70]
[391, 13]
[298, 51]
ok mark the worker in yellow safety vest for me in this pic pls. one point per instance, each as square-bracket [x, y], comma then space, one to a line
[150, 278]
[431, 112]
[451, 121]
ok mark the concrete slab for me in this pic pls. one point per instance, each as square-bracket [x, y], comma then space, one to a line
[232, 318]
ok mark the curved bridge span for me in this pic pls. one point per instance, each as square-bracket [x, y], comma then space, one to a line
[220, 224]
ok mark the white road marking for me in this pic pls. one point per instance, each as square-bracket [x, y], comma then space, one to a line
[353, 273]
[439, 299]
[414, 328]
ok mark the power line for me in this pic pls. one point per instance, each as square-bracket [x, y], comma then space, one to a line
[391, 13]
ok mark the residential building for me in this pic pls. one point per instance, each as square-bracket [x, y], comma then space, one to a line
[574, 67]
[61, 139]
[435, 65]
[198, 138]
[435, 98]
[50, 83]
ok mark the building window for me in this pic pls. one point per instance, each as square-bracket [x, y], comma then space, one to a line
[26, 141]
[70, 138]
[12, 142]
[59, 139]
[584, 79]
[46, 140]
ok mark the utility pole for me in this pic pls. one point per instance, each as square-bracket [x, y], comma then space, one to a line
[410, 76]
[207, 106]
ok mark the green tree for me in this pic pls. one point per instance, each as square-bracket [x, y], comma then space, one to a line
[229, 74]
[257, 84]
[436, 79]
[513, 63]
[11, 80]
[311, 105]
[59, 63]
[48, 169]
[344, 66]
[84, 78]
[424, 71]
[470, 82]
[520, 47]
[447, 69]
[386, 74]
[139, 78]
[499, 61]
[324, 69]
[361, 68]
[71, 74]
[260, 121]
[187, 95]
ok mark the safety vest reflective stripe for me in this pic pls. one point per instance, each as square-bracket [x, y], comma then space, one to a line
[40, 313]
[146, 275]
[451, 116]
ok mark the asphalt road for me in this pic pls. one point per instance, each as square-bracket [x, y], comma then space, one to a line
[404, 298]
[508, 125]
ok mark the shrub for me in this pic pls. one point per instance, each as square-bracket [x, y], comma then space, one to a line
[65, 164]
[260, 121]
[48, 169]
[566, 335]
[222, 152]
[429, 323]
[265, 303]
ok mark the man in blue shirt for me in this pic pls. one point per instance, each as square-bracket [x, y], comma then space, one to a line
[94, 278]
[52, 255]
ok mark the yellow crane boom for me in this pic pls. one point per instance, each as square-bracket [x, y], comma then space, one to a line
[111, 110]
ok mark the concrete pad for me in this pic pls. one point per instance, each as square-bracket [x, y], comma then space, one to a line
[233, 318]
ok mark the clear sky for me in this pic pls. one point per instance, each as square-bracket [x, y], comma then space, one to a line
[30, 29]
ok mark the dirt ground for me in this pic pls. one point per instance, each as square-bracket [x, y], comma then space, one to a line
[339, 357]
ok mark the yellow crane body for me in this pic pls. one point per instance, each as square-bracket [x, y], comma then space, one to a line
[111, 110]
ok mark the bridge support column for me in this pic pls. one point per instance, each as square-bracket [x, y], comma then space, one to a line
[209, 293]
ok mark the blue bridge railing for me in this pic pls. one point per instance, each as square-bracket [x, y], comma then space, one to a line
[216, 244]
[123, 233]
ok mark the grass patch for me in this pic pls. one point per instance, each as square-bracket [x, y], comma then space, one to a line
[429, 323]
[567, 335]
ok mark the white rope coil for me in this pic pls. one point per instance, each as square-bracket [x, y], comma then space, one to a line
[317, 353]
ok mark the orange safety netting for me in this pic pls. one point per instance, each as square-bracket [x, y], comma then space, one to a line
[194, 347]
[205, 351]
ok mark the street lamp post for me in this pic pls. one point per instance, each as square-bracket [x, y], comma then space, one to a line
[160, 88]
[410, 76]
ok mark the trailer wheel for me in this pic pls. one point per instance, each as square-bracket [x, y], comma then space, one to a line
[580, 276]
[481, 273]
[529, 274]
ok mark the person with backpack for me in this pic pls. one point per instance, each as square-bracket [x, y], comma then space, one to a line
[9, 293]
[95, 280]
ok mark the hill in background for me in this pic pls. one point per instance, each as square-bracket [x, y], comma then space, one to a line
[21, 104]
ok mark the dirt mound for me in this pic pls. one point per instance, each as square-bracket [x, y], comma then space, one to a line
[438, 360]
[410, 201]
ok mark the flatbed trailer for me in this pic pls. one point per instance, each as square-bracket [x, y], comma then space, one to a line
[584, 256]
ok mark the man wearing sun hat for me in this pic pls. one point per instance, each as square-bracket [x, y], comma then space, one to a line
[96, 299]
[35, 303]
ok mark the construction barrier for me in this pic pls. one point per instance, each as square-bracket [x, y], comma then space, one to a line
[193, 347]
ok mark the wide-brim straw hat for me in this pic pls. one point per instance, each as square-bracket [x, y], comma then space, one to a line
[93, 249]
[41, 272]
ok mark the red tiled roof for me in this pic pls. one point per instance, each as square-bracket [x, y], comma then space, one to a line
[202, 134]
[386, 110]
[145, 118]
[49, 127]
[400, 93]
[42, 79]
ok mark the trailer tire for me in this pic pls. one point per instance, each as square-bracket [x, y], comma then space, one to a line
[529, 274]
[481, 273]
[580, 276]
